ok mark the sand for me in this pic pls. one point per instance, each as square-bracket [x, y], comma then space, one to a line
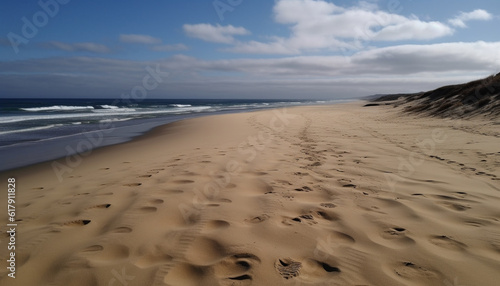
[321, 195]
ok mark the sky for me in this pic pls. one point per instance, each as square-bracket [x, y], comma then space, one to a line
[279, 49]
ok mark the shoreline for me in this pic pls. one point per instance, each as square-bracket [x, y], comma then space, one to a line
[68, 145]
[319, 195]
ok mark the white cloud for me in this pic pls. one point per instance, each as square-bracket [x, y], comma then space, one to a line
[139, 39]
[169, 48]
[154, 42]
[293, 11]
[216, 34]
[445, 58]
[402, 68]
[477, 14]
[318, 25]
[77, 47]
[278, 46]
[413, 30]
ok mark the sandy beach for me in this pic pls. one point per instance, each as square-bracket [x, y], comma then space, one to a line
[321, 195]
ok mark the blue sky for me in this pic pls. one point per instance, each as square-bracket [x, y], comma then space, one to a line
[244, 48]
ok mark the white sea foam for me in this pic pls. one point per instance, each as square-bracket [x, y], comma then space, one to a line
[115, 119]
[109, 106]
[103, 113]
[113, 110]
[57, 108]
[30, 129]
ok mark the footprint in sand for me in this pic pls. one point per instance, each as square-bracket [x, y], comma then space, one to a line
[312, 269]
[411, 271]
[216, 225]
[301, 174]
[155, 171]
[283, 182]
[101, 206]
[156, 201]
[259, 219]
[309, 218]
[326, 215]
[397, 234]
[132, 185]
[328, 205]
[93, 248]
[474, 223]
[81, 194]
[169, 192]
[303, 189]
[447, 242]
[340, 237]
[183, 181]
[122, 229]
[79, 222]
[237, 267]
[105, 194]
[287, 268]
[349, 186]
[454, 206]
[148, 209]
[258, 173]
[106, 253]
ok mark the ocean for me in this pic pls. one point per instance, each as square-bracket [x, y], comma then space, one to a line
[37, 130]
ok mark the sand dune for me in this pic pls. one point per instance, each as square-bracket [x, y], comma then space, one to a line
[476, 98]
[323, 195]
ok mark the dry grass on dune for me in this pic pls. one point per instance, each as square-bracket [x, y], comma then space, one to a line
[480, 97]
